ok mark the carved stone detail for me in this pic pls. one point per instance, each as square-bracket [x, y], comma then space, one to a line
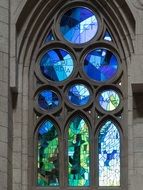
[137, 3]
[141, 2]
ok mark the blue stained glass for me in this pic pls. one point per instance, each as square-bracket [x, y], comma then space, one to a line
[109, 100]
[109, 155]
[79, 94]
[47, 100]
[45, 127]
[48, 155]
[56, 65]
[101, 65]
[107, 36]
[79, 25]
[49, 38]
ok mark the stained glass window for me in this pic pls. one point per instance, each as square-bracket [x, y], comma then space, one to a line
[79, 25]
[109, 100]
[48, 155]
[78, 101]
[56, 65]
[47, 99]
[79, 94]
[78, 153]
[109, 155]
[101, 65]
[107, 36]
[49, 37]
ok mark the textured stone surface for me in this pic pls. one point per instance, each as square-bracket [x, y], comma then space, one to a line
[14, 123]
[141, 2]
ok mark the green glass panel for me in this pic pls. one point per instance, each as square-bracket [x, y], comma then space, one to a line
[78, 153]
[48, 155]
[109, 100]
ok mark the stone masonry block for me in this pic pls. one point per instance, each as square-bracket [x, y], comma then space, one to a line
[138, 130]
[138, 144]
[3, 14]
[3, 149]
[4, 134]
[138, 160]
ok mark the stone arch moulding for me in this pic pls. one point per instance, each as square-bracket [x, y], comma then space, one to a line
[138, 4]
[32, 27]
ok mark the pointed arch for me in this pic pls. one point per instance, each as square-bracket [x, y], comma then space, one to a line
[78, 152]
[36, 26]
[112, 118]
[48, 154]
[81, 113]
[31, 32]
[109, 154]
[50, 118]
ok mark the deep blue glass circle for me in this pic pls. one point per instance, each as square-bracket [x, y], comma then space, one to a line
[79, 94]
[56, 65]
[79, 25]
[101, 65]
[47, 100]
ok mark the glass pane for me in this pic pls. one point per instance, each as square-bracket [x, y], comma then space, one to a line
[109, 100]
[57, 65]
[107, 36]
[109, 155]
[49, 38]
[78, 153]
[101, 65]
[79, 94]
[48, 155]
[79, 25]
[47, 100]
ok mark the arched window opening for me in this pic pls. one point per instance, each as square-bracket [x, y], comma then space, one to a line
[109, 155]
[81, 86]
[48, 155]
[78, 152]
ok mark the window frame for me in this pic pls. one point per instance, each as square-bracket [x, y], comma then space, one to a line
[72, 49]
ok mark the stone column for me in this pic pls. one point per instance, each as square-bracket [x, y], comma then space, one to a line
[5, 151]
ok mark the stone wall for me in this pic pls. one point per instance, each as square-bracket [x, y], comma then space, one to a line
[4, 82]
[14, 83]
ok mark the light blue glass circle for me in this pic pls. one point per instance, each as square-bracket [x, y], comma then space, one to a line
[79, 94]
[101, 65]
[109, 155]
[47, 100]
[56, 65]
[109, 100]
[79, 25]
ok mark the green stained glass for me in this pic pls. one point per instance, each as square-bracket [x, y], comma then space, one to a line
[48, 155]
[109, 100]
[78, 153]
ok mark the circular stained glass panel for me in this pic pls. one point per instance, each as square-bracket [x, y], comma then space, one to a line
[79, 95]
[47, 100]
[79, 25]
[101, 65]
[109, 100]
[56, 65]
